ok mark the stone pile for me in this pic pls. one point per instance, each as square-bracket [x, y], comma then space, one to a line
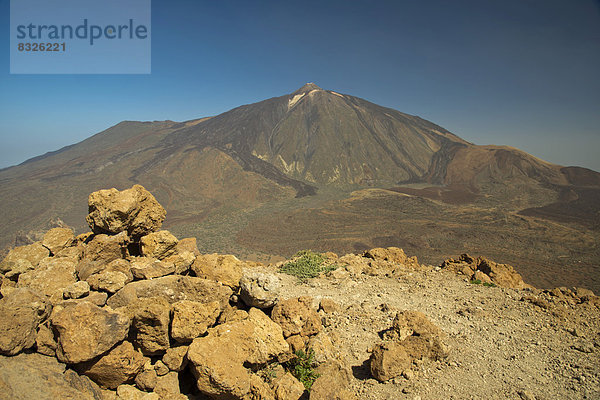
[128, 311]
[411, 338]
[486, 271]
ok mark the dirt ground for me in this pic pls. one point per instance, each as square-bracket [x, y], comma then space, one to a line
[501, 345]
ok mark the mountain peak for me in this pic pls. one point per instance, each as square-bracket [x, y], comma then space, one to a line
[308, 87]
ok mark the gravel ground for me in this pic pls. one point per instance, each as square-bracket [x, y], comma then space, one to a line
[501, 345]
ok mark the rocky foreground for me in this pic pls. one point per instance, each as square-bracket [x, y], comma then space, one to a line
[128, 311]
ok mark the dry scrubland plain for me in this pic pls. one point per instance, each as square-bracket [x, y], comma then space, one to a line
[547, 253]
[130, 312]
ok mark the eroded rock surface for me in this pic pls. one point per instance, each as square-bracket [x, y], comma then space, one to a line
[85, 331]
[133, 210]
[20, 314]
[34, 376]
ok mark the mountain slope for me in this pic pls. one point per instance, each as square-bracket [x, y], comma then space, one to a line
[321, 137]
[303, 157]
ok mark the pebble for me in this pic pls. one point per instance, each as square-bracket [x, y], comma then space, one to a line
[408, 374]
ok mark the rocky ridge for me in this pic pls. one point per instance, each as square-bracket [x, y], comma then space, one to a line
[128, 311]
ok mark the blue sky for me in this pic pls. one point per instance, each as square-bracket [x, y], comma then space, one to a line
[523, 73]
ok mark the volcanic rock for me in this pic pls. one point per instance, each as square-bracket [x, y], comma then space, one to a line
[146, 380]
[226, 269]
[108, 281]
[100, 251]
[150, 268]
[173, 288]
[134, 211]
[333, 382]
[20, 314]
[35, 376]
[287, 387]
[26, 257]
[158, 245]
[218, 360]
[259, 289]
[76, 290]
[389, 360]
[175, 358]
[128, 392]
[57, 239]
[296, 317]
[150, 326]
[85, 331]
[120, 365]
[50, 278]
[44, 341]
[191, 319]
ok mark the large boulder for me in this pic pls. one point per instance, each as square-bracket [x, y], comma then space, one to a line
[76, 290]
[24, 257]
[412, 323]
[287, 387]
[173, 288]
[57, 239]
[391, 254]
[150, 268]
[150, 327]
[297, 317]
[464, 265]
[333, 382]
[120, 365]
[226, 269]
[191, 319]
[218, 360]
[323, 347]
[501, 274]
[20, 314]
[100, 251]
[188, 244]
[34, 376]
[85, 331]
[108, 281]
[50, 278]
[182, 260]
[159, 244]
[259, 289]
[389, 360]
[134, 210]
[486, 271]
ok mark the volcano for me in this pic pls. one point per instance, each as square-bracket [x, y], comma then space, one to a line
[321, 169]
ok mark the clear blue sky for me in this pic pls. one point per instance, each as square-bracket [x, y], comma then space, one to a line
[525, 73]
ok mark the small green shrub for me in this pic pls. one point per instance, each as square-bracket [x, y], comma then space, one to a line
[307, 264]
[303, 367]
[269, 374]
[479, 282]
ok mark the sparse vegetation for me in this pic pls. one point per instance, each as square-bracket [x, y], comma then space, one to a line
[269, 373]
[479, 282]
[307, 264]
[303, 367]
